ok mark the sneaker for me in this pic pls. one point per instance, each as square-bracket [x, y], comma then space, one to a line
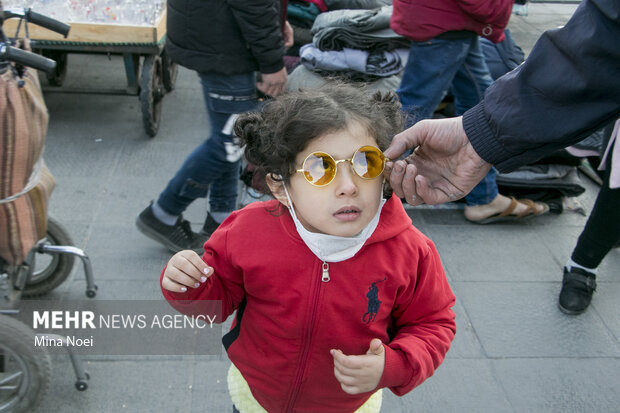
[577, 288]
[209, 227]
[176, 237]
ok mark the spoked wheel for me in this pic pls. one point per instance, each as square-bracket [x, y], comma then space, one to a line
[25, 370]
[169, 71]
[152, 92]
[50, 270]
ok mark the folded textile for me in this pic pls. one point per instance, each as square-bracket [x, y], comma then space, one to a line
[357, 29]
[362, 21]
[303, 78]
[561, 179]
[334, 38]
[355, 4]
[377, 63]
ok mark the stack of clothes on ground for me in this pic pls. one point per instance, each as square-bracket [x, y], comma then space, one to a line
[349, 40]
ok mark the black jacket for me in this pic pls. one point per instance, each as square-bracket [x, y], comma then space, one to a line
[568, 87]
[226, 36]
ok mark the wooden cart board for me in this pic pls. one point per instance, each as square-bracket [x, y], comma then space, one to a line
[97, 32]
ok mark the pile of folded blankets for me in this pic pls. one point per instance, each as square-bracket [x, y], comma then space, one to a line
[350, 40]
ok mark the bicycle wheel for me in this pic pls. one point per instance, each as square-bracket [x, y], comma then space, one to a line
[25, 370]
[50, 270]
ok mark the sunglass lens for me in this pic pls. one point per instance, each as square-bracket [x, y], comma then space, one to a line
[368, 162]
[319, 168]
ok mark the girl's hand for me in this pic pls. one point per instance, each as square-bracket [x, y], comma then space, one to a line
[185, 269]
[360, 374]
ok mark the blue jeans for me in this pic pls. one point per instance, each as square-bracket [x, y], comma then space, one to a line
[213, 167]
[439, 65]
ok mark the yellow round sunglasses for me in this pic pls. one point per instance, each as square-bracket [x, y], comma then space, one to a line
[320, 168]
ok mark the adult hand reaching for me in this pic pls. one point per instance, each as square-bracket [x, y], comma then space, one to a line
[443, 167]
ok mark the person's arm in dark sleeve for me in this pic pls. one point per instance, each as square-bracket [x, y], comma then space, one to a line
[568, 87]
[260, 25]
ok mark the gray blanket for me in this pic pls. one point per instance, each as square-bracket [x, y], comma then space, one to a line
[357, 29]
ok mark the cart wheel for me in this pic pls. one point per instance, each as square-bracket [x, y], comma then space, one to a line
[169, 71]
[81, 385]
[25, 370]
[50, 270]
[58, 76]
[151, 93]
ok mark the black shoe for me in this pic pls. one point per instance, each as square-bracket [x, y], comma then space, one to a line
[209, 227]
[577, 288]
[176, 237]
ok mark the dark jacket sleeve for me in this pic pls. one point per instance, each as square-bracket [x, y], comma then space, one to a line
[568, 87]
[260, 24]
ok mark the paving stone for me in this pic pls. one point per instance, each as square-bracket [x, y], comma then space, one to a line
[523, 320]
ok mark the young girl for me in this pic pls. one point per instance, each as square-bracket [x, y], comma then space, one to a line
[337, 294]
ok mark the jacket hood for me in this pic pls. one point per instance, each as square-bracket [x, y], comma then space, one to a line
[393, 221]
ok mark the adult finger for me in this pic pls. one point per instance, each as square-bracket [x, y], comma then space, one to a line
[270, 89]
[409, 186]
[397, 172]
[430, 194]
[407, 139]
[264, 87]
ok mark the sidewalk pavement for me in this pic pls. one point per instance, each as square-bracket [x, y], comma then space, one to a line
[514, 350]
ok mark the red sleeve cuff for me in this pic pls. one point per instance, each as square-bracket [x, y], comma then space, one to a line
[396, 371]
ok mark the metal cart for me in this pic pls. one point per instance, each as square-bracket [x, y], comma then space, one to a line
[150, 72]
[28, 268]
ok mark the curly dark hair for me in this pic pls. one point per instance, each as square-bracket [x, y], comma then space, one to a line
[283, 127]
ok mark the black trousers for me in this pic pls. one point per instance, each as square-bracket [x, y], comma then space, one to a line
[602, 231]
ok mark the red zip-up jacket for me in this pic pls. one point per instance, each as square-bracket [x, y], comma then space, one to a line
[393, 289]
[422, 20]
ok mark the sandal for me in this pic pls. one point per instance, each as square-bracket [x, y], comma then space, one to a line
[507, 214]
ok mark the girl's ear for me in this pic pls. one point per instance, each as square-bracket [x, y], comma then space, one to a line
[277, 189]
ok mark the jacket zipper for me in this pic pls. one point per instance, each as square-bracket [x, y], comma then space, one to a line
[325, 276]
[306, 350]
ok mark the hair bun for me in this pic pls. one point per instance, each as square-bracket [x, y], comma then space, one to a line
[247, 128]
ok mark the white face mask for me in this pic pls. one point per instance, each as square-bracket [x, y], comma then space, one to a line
[333, 248]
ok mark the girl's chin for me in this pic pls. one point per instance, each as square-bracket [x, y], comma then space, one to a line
[345, 229]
